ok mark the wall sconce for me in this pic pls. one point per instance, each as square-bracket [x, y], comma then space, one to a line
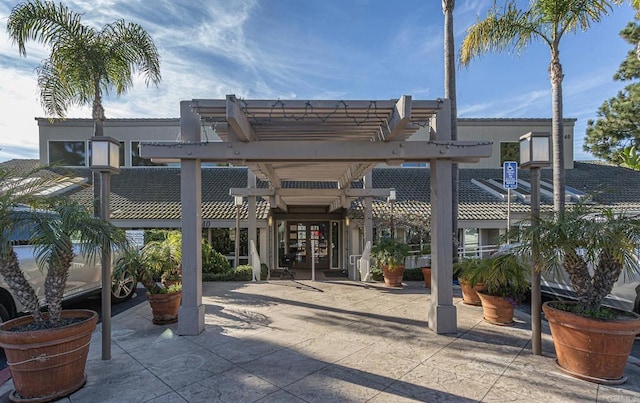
[392, 195]
[347, 222]
[270, 221]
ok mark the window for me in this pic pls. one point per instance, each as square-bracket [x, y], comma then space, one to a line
[138, 161]
[509, 151]
[120, 155]
[67, 153]
[471, 242]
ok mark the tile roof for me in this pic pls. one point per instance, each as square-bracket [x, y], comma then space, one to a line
[154, 193]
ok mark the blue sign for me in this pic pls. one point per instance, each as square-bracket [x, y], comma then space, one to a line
[510, 175]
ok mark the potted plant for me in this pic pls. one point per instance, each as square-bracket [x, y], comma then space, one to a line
[425, 264]
[390, 255]
[166, 257]
[47, 351]
[592, 248]
[462, 270]
[157, 260]
[506, 281]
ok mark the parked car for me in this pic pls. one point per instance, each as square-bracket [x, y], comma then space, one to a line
[625, 294]
[84, 277]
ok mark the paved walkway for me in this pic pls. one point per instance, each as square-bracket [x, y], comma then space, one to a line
[303, 341]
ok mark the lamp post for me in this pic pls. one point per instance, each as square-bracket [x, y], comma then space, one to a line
[392, 199]
[105, 159]
[534, 154]
[238, 203]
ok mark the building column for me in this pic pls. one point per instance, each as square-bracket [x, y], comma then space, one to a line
[191, 312]
[368, 212]
[252, 227]
[344, 236]
[442, 315]
[263, 248]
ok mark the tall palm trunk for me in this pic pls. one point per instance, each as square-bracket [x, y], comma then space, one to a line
[450, 93]
[556, 75]
[605, 275]
[14, 277]
[56, 279]
[579, 277]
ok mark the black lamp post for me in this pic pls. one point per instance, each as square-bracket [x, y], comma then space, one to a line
[105, 159]
[534, 154]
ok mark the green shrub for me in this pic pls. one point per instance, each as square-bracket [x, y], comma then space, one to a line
[240, 273]
[155, 235]
[213, 261]
[414, 274]
[227, 276]
[376, 273]
[264, 271]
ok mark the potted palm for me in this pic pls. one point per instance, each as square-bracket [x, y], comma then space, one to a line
[47, 351]
[157, 260]
[462, 269]
[506, 281]
[390, 255]
[592, 341]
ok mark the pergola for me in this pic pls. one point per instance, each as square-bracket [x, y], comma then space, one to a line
[321, 141]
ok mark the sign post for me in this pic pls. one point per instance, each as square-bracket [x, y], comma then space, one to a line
[509, 181]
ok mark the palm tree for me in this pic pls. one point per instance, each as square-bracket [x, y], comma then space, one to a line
[54, 235]
[592, 263]
[512, 29]
[450, 93]
[16, 193]
[84, 62]
[54, 228]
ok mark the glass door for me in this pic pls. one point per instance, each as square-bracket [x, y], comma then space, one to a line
[302, 237]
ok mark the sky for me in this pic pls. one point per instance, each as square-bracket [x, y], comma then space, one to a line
[319, 49]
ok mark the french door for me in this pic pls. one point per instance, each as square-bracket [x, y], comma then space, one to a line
[308, 240]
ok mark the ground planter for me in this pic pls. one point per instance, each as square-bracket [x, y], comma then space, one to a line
[48, 364]
[496, 310]
[393, 278]
[426, 273]
[165, 307]
[591, 349]
[469, 293]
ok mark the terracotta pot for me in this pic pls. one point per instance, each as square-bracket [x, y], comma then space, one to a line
[48, 364]
[592, 349]
[496, 310]
[165, 307]
[393, 278]
[470, 294]
[426, 273]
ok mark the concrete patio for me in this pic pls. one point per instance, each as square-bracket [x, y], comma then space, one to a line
[340, 341]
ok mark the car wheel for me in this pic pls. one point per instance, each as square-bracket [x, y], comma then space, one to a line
[123, 287]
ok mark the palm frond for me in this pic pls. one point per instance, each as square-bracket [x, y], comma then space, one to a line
[44, 22]
[508, 30]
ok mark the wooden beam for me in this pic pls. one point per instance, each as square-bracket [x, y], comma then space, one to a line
[277, 201]
[355, 172]
[321, 151]
[400, 118]
[238, 120]
[293, 192]
[268, 171]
